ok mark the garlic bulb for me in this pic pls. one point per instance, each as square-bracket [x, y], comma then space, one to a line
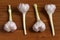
[39, 25]
[50, 8]
[23, 8]
[10, 26]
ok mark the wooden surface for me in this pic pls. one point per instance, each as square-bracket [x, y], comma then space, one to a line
[30, 20]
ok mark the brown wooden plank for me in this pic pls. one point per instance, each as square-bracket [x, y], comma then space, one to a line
[30, 20]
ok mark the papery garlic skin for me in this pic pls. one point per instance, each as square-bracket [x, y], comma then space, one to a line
[23, 7]
[10, 26]
[39, 26]
[50, 8]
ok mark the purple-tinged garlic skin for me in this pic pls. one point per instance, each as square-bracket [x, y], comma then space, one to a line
[10, 26]
[39, 26]
[50, 8]
[23, 7]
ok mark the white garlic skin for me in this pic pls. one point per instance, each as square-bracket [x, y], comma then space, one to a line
[10, 26]
[39, 26]
[23, 7]
[50, 8]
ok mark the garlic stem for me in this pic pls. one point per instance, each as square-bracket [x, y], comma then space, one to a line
[52, 26]
[10, 13]
[37, 15]
[24, 24]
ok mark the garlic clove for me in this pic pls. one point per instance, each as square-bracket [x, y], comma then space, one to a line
[13, 26]
[42, 28]
[50, 8]
[23, 7]
[6, 28]
[10, 26]
[35, 27]
[39, 26]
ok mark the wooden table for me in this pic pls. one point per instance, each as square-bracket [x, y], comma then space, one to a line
[30, 20]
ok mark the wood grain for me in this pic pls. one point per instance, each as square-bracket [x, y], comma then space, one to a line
[30, 20]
